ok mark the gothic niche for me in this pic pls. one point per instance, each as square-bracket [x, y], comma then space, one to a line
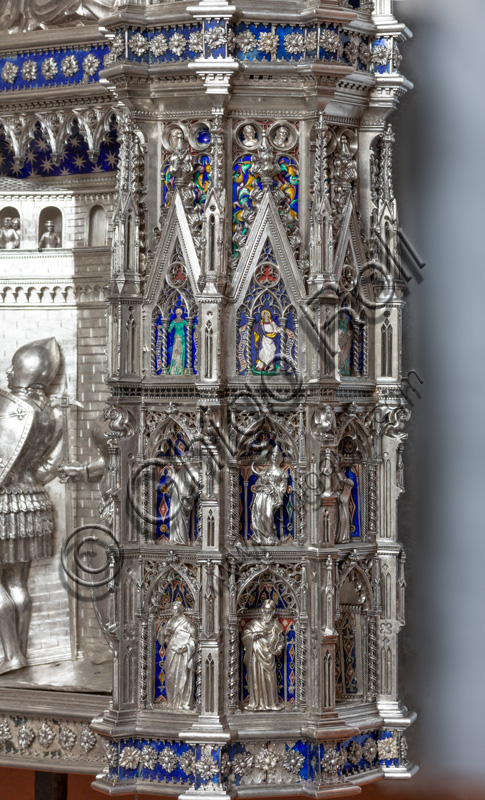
[173, 626]
[175, 323]
[268, 644]
[266, 323]
[352, 625]
[97, 226]
[177, 482]
[266, 488]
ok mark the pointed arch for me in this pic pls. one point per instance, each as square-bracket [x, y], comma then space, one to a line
[172, 583]
[176, 229]
[275, 435]
[268, 227]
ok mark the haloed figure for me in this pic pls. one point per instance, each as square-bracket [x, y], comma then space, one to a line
[30, 429]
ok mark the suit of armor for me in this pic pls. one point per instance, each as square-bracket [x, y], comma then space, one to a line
[29, 432]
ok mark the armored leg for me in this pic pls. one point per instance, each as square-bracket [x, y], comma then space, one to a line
[13, 657]
[15, 578]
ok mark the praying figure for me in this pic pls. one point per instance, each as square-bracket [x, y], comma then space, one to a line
[269, 491]
[265, 333]
[180, 637]
[179, 327]
[263, 639]
[49, 239]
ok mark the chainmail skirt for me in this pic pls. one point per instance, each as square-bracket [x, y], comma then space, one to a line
[26, 524]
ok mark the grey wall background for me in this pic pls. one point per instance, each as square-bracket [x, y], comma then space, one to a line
[440, 185]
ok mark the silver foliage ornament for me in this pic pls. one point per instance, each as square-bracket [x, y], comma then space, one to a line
[91, 64]
[29, 70]
[69, 66]
[87, 739]
[168, 760]
[159, 45]
[149, 757]
[25, 737]
[138, 44]
[46, 735]
[129, 757]
[49, 68]
[67, 738]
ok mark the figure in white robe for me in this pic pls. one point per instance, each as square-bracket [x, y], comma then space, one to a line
[263, 639]
[265, 340]
[180, 636]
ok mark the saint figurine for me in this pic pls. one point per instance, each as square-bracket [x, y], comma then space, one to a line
[49, 239]
[180, 637]
[179, 327]
[265, 340]
[263, 639]
[269, 491]
[183, 492]
[30, 432]
[343, 530]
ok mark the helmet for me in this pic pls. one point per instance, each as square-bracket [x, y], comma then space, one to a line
[36, 363]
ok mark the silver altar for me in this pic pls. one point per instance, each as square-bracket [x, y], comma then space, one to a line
[197, 203]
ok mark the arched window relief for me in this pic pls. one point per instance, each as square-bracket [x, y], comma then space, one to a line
[175, 323]
[386, 349]
[50, 228]
[352, 657]
[10, 229]
[267, 323]
[98, 221]
[352, 341]
[208, 346]
[130, 343]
